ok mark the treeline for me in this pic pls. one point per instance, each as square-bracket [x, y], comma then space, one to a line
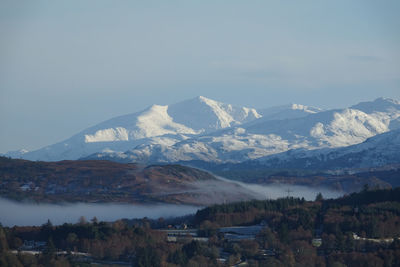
[245, 213]
[103, 241]
[368, 196]
[360, 229]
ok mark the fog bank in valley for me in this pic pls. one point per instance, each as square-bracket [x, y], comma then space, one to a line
[274, 191]
[205, 192]
[27, 213]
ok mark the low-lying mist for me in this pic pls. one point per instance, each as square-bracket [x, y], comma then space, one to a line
[274, 191]
[224, 190]
[28, 213]
[201, 193]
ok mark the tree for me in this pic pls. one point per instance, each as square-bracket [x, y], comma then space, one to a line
[178, 257]
[94, 220]
[193, 248]
[3, 241]
[9, 259]
[207, 228]
[82, 220]
[287, 257]
[249, 248]
[72, 240]
[48, 224]
[319, 197]
[146, 257]
[283, 232]
[50, 248]
[365, 188]
[350, 244]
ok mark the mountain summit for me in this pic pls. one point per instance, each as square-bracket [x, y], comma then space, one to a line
[281, 130]
[208, 130]
[208, 115]
[157, 124]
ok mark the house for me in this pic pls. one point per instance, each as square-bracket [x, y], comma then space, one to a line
[238, 233]
[33, 245]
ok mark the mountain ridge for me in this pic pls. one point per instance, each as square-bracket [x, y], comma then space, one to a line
[376, 151]
[204, 129]
[153, 125]
[263, 137]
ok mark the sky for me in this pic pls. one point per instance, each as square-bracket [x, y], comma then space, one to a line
[67, 65]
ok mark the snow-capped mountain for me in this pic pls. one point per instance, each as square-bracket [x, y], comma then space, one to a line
[162, 125]
[331, 129]
[207, 115]
[380, 150]
[385, 109]
[263, 137]
[208, 130]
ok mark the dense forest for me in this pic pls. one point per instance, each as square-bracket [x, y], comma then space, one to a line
[361, 229]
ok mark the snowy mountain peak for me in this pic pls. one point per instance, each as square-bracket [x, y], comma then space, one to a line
[158, 108]
[378, 105]
[205, 99]
[152, 122]
[306, 108]
[192, 130]
[207, 115]
[385, 109]
[159, 125]
[157, 122]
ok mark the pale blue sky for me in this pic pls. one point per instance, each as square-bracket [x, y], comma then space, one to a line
[67, 65]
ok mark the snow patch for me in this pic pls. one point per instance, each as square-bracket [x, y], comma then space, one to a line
[157, 122]
[305, 108]
[108, 135]
[318, 130]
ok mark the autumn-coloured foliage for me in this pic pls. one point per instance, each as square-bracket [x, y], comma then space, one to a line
[354, 230]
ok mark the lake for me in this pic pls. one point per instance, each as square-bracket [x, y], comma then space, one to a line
[27, 213]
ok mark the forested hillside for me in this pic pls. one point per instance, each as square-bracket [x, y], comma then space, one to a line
[361, 229]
